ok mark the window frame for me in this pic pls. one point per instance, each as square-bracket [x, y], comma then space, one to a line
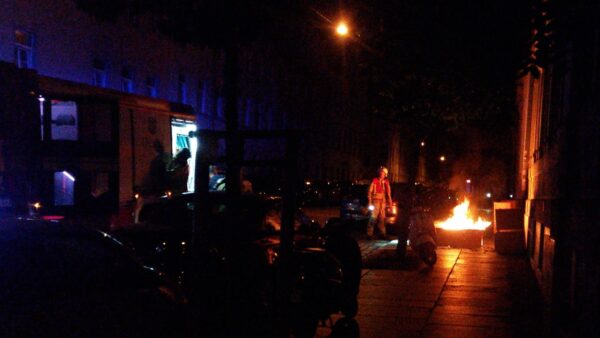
[27, 48]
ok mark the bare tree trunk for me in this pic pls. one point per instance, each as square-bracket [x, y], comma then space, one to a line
[412, 162]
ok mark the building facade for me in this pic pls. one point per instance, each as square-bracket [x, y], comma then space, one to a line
[119, 86]
[558, 164]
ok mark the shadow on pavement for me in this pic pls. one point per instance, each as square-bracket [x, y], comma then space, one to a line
[387, 260]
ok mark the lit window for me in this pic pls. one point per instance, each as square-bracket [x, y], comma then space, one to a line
[99, 76]
[64, 188]
[151, 84]
[64, 120]
[127, 78]
[180, 139]
[181, 89]
[24, 49]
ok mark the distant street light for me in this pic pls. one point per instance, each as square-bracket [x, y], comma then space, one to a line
[442, 158]
[342, 29]
[422, 144]
[468, 180]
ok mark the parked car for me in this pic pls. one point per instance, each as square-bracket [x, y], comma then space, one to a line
[63, 280]
[326, 262]
[322, 193]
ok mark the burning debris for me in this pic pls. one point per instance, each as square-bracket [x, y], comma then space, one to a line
[461, 230]
[461, 220]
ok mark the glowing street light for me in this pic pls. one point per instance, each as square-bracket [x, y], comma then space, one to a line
[342, 29]
[422, 144]
[442, 158]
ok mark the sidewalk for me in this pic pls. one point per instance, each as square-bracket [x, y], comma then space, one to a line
[468, 293]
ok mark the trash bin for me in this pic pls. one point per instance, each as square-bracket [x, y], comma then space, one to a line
[509, 236]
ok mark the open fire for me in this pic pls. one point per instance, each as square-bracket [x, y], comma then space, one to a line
[462, 220]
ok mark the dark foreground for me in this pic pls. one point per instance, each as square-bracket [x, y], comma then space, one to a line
[468, 293]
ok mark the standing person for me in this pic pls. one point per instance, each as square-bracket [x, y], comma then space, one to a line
[179, 171]
[379, 196]
[155, 182]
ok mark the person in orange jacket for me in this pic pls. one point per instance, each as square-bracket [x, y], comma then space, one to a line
[380, 195]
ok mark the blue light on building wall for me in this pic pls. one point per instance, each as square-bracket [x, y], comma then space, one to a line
[64, 188]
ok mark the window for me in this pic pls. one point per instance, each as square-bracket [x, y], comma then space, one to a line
[24, 49]
[203, 104]
[180, 139]
[64, 188]
[127, 80]
[181, 89]
[99, 76]
[264, 114]
[249, 113]
[220, 107]
[151, 84]
[64, 120]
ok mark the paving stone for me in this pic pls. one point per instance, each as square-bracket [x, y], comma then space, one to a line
[393, 311]
[483, 310]
[397, 302]
[462, 301]
[453, 331]
[446, 318]
[486, 295]
[374, 321]
[387, 333]
[475, 288]
[468, 293]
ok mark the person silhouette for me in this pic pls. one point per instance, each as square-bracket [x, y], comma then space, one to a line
[379, 196]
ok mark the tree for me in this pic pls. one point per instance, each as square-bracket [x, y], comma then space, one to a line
[442, 69]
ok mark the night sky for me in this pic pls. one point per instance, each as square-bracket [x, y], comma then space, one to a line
[482, 40]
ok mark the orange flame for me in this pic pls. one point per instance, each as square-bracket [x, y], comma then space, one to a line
[461, 220]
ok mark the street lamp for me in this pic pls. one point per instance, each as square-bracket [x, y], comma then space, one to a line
[342, 29]
[442, 158]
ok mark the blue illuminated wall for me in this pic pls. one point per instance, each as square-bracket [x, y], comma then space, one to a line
[131, 56]
[68, 44]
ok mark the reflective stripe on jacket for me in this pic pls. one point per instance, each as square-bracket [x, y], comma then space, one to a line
[379, 189]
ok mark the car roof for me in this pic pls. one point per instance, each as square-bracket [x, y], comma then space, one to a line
[220, 197]
[23, 228]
